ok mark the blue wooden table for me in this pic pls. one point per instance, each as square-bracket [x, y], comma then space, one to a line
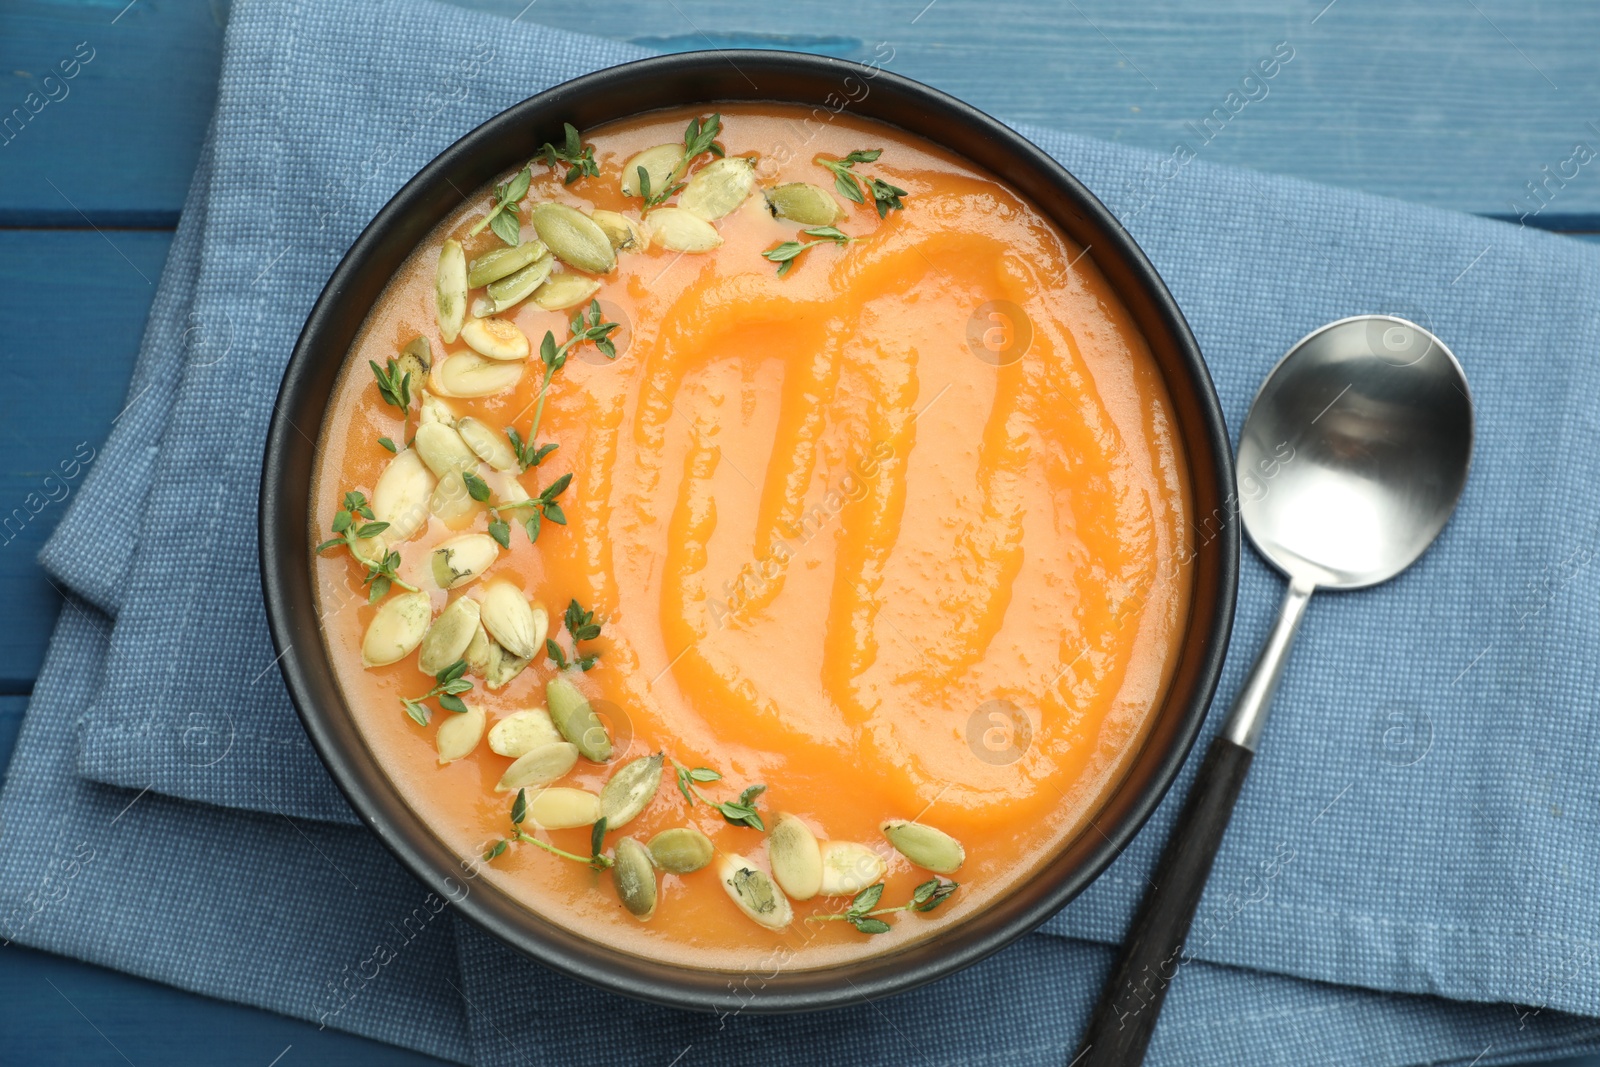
[1464, 104]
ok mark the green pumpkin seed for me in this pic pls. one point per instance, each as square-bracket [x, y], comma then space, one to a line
[450, 290]
[478, 651]
[630, 790]
[496, 339]
[463, 559]
[681, 850]
[562, 808]
[848, 868]
[517, 626]
[503, 666]
[635, 878]
[719, 187]
[928, 848]
[487, 445]
[509, 292]
[467, 374]
[802, 202]
[502, 263]
[755, 893]
[678, 230]
[518, 734]
[795, 856]
[401, 496]
[565, 290]
[458, 735]
[576, 720]
[443, 450]
[415, 359]
[452, 503]
[449, 636]
[658, 162]
[624, 232]
[538, 766]
[433, 409]
[574, 238]
[396, 630]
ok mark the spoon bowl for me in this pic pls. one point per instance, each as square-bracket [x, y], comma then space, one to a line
[1355, 451]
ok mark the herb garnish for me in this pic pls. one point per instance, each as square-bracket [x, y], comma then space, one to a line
[741, 812]
[579, 159]
[381, 572]
[448, 687]
[394, 385]
[785, 254]
[864, 905]
[519, 812]
[544, 507]
[699, 138]
[505, 217]
[582, 627]
[885, 197]
[527, 454]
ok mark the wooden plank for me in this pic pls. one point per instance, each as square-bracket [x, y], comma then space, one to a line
[1450, 105]
[68, 365]
[62, 1011]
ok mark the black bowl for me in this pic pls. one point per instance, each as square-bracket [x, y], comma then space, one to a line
[703, 79]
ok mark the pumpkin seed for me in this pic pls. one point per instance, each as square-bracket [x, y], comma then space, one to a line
[517, 626]
[624, 233]
[502, 262]
[458, 735]
[496, 338]
[795, 857]
[415, 359]
[433, 409]
[848, 868]
[681, 850]
[658, 162]
[562, 807]
[400, 495]
[719, 187]
[509, 292]
[565, 290]
[489, 446]
[538, 766]
[630, 790]
[754, 892]
[573, 237]
[677, 230]
[449, 636]
[452, 503]
[576, 720]
[925, 846]
[396, 630]
[802, 202]
[462, 559]
[477, 653]
[443, 450]
[450, 290]
[635, 878]
[503, 667]
[518, 734]
[467, 374]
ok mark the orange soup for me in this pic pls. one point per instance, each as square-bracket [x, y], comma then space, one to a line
[765, 536]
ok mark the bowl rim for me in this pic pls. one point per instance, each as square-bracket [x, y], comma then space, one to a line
[704, 78]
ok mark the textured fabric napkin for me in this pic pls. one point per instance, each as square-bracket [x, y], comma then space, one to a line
[1420, 819]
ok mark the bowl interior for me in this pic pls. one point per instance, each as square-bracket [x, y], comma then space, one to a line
[703, 79]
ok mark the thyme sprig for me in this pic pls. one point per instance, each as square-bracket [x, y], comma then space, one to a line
[699, 138]
[785, 254]
[863, 910]
[528, 454]
[741, 812]
[394, 386]
[542, 507]
[578, 157]
[505, 216]
[382, 572]
[885, 197]
[596, 859]
[588, 326]
[583, 627]
[448, 686]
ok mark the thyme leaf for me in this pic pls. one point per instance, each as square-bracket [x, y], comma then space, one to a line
[579, 159]
[449, 684]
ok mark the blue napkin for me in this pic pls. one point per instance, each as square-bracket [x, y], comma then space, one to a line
[1419, 794]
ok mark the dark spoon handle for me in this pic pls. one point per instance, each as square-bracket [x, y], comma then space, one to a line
[1123, 1022]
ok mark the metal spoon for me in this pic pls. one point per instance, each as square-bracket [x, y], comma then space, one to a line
[1352, 458]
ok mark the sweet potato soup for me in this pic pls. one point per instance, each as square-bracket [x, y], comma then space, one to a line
[743, 535]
